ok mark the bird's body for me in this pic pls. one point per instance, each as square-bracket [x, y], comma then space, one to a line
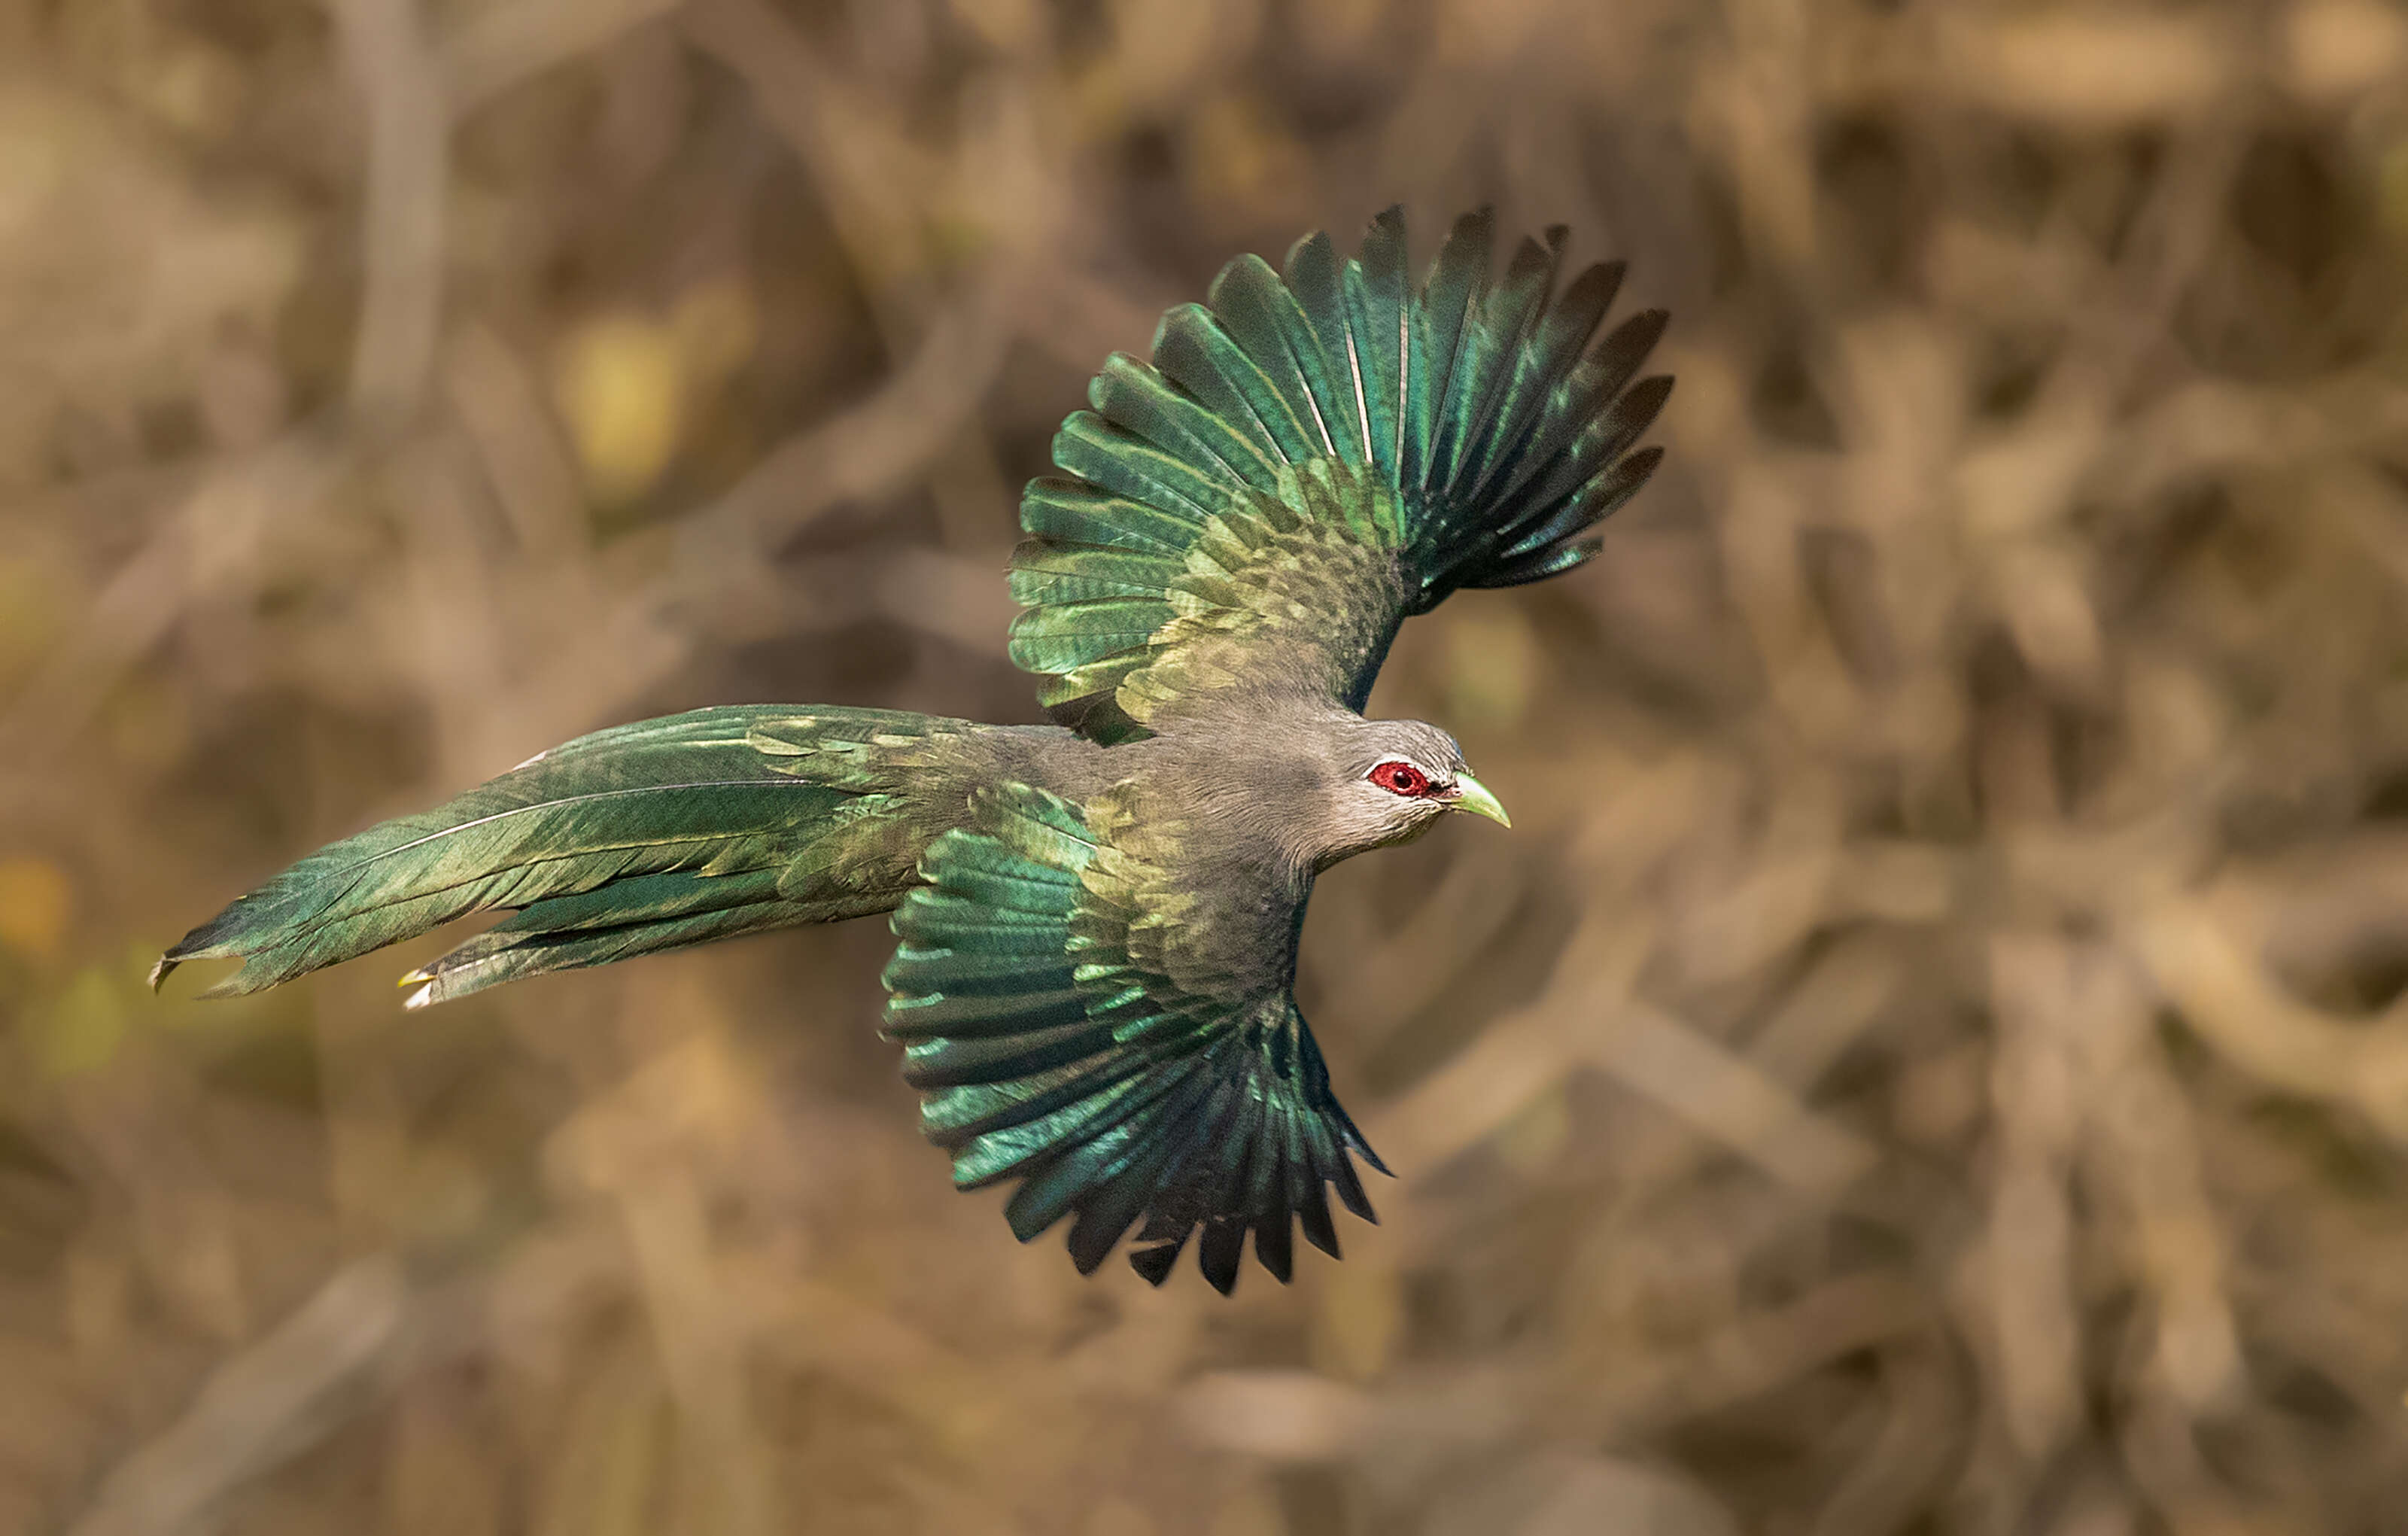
[1098, 918]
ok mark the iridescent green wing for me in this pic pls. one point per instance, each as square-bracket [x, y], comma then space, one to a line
[1317, 455]
[1053, 1045]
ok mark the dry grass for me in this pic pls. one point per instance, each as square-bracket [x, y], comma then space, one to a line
[1927, 1060]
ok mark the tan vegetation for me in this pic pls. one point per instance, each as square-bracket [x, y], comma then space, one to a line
[1927, 1059]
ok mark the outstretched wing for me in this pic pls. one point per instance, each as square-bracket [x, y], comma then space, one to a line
[1055, 1045]
[1314, 456]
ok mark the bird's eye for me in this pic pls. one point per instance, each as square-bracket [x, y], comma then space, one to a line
[1400, 779]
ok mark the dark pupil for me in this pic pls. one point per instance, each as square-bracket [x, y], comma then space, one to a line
[1402, 779]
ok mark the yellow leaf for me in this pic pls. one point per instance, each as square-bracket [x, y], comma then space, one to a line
[36, 902]
[620, 387]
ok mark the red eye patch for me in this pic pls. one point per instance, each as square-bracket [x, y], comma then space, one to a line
[1400, 779]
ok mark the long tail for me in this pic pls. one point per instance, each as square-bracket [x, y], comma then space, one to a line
[629, 841]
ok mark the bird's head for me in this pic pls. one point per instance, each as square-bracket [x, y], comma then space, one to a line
[1391, 779]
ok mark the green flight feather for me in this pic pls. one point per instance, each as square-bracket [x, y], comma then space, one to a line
[1049, 1053]
[1069, 572]
[1195, 353]
[1460, 434]
[1445, 366]
[1385, 337]
[629, 841]
[1316, 286]
[1072, 512]
[1116, 460]
[1268, 328]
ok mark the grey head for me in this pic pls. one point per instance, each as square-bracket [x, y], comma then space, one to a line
[1387, 780]
[1310, 787]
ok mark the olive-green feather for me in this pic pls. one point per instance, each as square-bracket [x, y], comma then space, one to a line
[678, 909]
[629, 841]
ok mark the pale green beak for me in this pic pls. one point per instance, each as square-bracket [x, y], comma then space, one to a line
[1472, 795]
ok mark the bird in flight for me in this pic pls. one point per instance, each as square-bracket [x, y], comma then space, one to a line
[1097, 920]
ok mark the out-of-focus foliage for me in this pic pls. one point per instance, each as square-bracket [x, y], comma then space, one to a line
[1927, 1059]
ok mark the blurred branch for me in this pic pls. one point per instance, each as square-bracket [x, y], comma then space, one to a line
[261, 1408]
[1589, 1018]
[871, 175]
[2036, 1094]
[209, 546]
[868, 450]
[2224, 993]
[1731, 1100]
[498, 47]
[401, 239]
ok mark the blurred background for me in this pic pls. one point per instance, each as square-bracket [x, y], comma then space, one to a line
[1928, 1060]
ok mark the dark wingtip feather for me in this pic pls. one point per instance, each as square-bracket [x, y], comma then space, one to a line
[1155, 1263]
[1640, 466]
[1478, 226]
[1636, 411]
[1088, 1259]
[1354, 1137]
[1591, 294]
[1312, 1219]
[1636, 467]
[1627, 345]
[1350, 1189]
[1274, 1244]
[1218, 1252]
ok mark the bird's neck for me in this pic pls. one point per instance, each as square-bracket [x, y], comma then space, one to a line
[1249, 803]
